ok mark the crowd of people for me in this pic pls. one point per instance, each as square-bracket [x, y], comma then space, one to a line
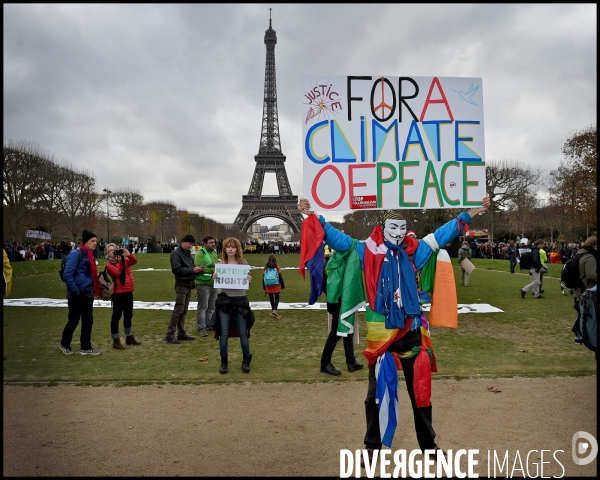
[275, 248]
[501, 250]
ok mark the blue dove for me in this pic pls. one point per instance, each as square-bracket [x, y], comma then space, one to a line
[467, 96]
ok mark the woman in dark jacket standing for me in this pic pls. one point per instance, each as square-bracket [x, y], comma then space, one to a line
[119, 268]
[81, 277]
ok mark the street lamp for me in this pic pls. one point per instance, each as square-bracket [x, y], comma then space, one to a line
[108, 192]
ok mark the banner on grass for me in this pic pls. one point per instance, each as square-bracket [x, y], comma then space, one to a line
[376, 142]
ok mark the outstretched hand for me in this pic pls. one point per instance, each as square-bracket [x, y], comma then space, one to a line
[304, 207]
[483, 208]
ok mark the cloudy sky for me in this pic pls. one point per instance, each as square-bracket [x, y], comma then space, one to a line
[167, 99]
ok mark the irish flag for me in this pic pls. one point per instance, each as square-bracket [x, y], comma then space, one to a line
[444, 303]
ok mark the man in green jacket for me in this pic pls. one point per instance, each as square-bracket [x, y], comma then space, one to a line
[206, 258]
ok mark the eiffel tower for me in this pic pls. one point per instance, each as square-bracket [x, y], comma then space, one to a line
[255, 205]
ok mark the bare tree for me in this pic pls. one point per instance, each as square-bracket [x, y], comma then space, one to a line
[128, 205]
[162, 213]
[21, 184]
[53, 173]
[79, 202]
[506, 182]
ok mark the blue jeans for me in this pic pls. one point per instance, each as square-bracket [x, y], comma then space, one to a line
[513, 264]
[242, 326]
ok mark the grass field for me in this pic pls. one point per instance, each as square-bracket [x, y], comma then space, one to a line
[531, 338]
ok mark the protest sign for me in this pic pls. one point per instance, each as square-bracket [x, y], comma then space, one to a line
[373, 142]
[232, 276]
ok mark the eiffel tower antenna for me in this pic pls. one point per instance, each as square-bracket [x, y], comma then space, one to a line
[270, 159]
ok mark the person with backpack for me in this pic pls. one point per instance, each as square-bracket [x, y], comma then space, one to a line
[81, 276]
[273, 284]
[536, 269]
[119, 268]
[587, 260]
[206, 258]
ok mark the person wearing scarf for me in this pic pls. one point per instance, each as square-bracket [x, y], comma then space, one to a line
[397, 331]
[81, 277]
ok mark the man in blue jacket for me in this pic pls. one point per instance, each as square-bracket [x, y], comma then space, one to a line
[81, 277]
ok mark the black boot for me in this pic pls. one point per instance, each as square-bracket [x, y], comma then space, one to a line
[223, 368]
[246, 363]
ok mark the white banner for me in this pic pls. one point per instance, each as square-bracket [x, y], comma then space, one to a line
[38, 234]
[375, 142]
[54, 302]
[232, 276]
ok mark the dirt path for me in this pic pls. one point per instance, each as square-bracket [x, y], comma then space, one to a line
[280, 429]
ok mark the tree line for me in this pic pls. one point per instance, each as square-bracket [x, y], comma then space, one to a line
[43, 193]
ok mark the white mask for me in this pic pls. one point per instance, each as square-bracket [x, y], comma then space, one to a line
[394, 231]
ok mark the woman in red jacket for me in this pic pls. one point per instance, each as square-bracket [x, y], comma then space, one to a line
[119, 268]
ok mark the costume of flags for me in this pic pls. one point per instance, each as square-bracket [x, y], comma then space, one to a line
[444, 303]
[386, 396]
[312, 255]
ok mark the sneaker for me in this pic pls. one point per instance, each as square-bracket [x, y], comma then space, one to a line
[171, 339]
[272, 314]
[539, 296]
[65, 350]
[277, 316]
[578, 339]
[203, 333]
[185, 337]
[91, 351]
[523, 292]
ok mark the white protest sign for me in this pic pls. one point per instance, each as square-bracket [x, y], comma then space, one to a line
[232, 276]
[375, 142]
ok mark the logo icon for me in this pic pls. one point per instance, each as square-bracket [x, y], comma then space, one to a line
[588, 445]
[323, 101]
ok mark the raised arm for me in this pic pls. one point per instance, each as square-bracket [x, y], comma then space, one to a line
[333, 237]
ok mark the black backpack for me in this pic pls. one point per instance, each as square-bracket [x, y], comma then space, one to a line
[569, 275]
[63, 263]
[526, 261]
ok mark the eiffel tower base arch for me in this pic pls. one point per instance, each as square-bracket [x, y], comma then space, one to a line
[255, 208]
